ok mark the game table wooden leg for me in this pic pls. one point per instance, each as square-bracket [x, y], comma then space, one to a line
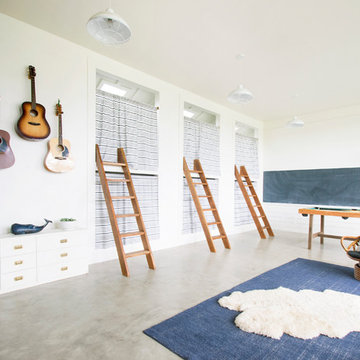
[322, 227]
[310, 236]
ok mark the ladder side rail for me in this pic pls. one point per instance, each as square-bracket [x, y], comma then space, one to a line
[216, 215]
[136, 207]
[111, 212]
[238, 176]
[263, 216]
[198, 206]
[252, 189]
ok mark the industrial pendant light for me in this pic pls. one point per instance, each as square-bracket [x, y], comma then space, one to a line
[108, 28]
[295, 122]
[240, 94]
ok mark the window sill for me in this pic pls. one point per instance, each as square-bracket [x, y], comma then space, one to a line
[111, 169]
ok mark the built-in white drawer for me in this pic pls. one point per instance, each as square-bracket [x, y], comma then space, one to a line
[62, 270]
[61, 255]
[18, 262]
[18, 245]
[18, 279]
[60, 241]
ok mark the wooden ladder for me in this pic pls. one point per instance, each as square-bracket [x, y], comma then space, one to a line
[252, 195]
[122, 162]
[205, 225]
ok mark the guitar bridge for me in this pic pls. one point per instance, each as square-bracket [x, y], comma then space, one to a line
[33, 123]
[60, 158]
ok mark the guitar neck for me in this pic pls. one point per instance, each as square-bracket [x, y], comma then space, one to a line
[60, 130]
[33, 94]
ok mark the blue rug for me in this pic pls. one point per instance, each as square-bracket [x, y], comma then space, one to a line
[207, 331]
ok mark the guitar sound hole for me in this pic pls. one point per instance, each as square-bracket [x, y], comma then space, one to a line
[34, 113]
[60, 148]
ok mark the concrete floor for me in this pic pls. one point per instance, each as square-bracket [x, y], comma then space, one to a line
[102, 315]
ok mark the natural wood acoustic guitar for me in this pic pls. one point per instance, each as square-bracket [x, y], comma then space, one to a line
[59, 158]
[7, 158]
[32, 124]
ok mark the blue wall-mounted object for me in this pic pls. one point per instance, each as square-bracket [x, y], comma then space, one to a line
[339, 187]
[20, 229]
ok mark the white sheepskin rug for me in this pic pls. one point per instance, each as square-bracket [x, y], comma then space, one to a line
[304, 314]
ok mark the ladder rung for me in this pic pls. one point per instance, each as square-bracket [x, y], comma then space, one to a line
[109, 163]
[118, 180]
[252, 195]
[200, 183]
[265, 227]
[136, 233]
[261, 216]
[248, 185]
[218, 237]
[209, 209]
[122, 197]
[214, 223]
[204, 196]
[126, 215]
[196, 171]
[258, 206]
[137, 253]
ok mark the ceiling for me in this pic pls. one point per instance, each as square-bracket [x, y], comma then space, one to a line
[305, 47]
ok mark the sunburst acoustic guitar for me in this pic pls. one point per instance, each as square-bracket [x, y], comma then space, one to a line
[32, 124]
[59, 158]
[7, 158]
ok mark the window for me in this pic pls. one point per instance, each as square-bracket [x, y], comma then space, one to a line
[246, 153]
[201, 141]
[126, 123]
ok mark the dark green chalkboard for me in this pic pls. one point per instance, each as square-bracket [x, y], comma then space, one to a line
[339, 186]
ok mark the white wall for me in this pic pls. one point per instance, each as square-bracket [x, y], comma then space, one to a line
[67, 71]
[329, 139]
[28, 191]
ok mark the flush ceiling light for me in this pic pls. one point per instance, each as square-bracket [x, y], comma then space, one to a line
[295, 122]
[108, 28]
[112, 88]
[188, 114]
[240, 95]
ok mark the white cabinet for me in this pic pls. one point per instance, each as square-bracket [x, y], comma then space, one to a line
[18, 262]
[62, 240]
[61, 270]
[17, 245]
[18, 280]
[72, 254]
[33, 259]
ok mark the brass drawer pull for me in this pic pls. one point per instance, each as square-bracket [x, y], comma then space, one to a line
[64, 268]
[17, 278]
[18, 262]
[64, 254]
[18, 247]
[63, 241]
